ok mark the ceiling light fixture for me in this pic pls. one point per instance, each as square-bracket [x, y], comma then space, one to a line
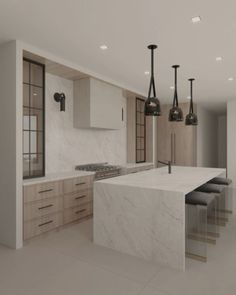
[219, 58]
[175, 114]
[191, 118]
[172, 87]
[104, 47]
[196, 19]
[188, 97]
[152, 104]
[231, 79]
[146, 73]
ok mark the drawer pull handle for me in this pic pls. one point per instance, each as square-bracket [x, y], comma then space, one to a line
[80, 211]
[45, 191]
[44, 207]
[80, 197]
[45, 223]
[80, 183]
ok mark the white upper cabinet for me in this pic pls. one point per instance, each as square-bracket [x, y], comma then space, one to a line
[98, 105]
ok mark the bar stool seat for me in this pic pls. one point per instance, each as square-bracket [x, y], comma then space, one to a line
[210, 188]
[220, 181]
[199, 198]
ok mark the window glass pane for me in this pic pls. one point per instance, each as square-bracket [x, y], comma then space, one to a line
[36, 75]
[142, 118]
[26, 141]
[142, 158]
[36, 142]
[142, 131]
[36, 119]
[26, 167]
[25, 95]
[36, 165]
[25, 72]
[36, 97]
[26, 118]
[138, 118]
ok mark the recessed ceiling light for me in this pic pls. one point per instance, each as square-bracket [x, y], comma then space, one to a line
[219, 58]
[34, 94]
[104, 47]
[172, 87]
[196, 19]
[146, 73]
[188, 97]
[231, 79]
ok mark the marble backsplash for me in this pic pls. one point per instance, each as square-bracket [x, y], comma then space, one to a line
[67, 146]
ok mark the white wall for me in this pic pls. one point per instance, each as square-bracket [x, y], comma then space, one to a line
[207, 144]
[11, 145]
[222, 141]
[67, 146]
[231, 141]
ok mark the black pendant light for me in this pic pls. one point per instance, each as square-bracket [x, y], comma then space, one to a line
[152, 104]
[175, 114]
[191, 118]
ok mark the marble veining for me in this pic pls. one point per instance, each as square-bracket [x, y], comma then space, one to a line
[67, 146]
[143, 214]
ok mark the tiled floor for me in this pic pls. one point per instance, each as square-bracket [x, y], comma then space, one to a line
[66, 262]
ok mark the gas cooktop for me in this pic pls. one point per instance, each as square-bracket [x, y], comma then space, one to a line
[102, 170]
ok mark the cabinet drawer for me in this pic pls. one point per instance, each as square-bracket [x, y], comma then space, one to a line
[42, 191]
[41, 208]
[76, 213]
[78, 198]
[41, 225]
[77, 184]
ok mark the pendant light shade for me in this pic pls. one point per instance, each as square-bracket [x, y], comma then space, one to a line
[152, 104]
[191, 118]
[175, 114]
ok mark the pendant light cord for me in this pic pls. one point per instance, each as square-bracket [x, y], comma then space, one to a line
[175, 101]
[191, 95]
[152, 81]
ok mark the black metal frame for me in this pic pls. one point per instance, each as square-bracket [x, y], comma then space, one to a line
[136, 136]
[43, 115]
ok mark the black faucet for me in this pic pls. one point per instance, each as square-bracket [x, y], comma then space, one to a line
[167, 164]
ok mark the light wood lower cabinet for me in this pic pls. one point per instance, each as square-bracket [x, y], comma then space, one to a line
[41, 225]
[52, 204]
[75, 213]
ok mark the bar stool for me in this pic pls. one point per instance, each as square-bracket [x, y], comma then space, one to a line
[229, 192]
[219, 192]
[197, 230]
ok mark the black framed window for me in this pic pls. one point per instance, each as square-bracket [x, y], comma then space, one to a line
[140, 131]
[33, 119]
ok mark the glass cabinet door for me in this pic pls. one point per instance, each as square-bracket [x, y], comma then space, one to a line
[140, 131]
[33, 119]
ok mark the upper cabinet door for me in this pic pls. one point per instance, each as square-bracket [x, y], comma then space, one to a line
[98, 105]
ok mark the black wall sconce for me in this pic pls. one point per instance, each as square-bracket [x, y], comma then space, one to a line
[60, 97]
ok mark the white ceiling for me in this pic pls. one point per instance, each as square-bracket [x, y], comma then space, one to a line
[74, 30]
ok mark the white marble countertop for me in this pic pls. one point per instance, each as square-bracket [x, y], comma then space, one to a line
[136, 165]
[56, 176]
[182, 179]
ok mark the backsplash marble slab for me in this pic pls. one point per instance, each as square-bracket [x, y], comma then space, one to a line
[67, 146]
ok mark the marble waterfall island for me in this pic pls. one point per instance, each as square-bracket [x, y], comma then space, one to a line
[143, 214]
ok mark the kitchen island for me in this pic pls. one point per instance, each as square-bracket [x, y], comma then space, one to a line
[143, 214]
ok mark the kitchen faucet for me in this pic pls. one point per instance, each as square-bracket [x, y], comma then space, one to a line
[168, 163]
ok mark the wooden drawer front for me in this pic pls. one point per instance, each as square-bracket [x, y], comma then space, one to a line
[41, 208]
[77, 184]
[76, 213]
[42, 191]
[77, 199]
[41, 225]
